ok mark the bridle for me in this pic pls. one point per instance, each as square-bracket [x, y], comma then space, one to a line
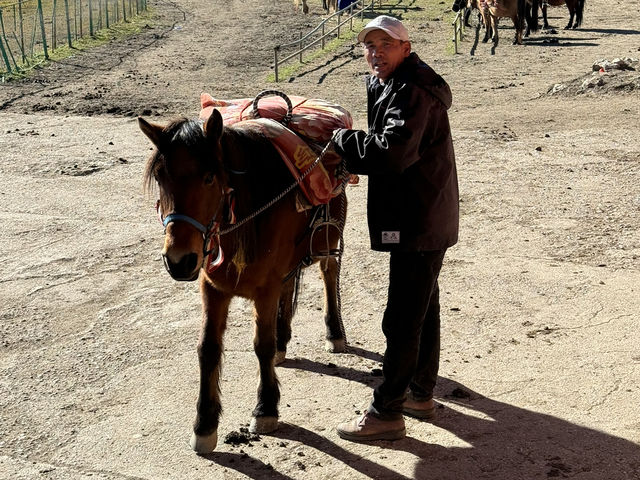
[210, 233]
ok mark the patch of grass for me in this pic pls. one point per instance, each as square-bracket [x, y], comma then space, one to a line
[116, 31]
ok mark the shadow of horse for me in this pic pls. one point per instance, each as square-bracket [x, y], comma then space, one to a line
[503, 441]
[611, 31]
[554, 41]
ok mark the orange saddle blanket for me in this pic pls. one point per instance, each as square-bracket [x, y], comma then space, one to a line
[299, 144]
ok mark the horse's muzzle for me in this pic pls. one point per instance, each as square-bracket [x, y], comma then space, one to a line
[185, 270]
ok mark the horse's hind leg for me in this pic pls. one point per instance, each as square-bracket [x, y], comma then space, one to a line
[285, 314]
[330, 268]
[215, 306]
[335, 339]
[572, 13]
[265, 415]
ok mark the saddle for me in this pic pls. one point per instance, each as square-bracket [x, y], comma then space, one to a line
[299, 128]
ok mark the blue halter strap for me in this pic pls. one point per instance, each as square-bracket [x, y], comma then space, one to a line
[177, 217]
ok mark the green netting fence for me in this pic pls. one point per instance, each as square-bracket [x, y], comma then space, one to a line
[31, 29]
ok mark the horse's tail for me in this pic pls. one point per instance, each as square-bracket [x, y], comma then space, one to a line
[579, 12]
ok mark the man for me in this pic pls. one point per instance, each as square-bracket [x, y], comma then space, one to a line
[412, 212]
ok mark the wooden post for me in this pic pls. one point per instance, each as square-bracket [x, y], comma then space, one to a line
[66, 11]
[90, 19]
[124, 10]
[54, 30]
[42, 30]
[99, 14]
[24, 57]
[106, 11]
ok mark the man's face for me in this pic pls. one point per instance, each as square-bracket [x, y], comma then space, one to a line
[384, 53]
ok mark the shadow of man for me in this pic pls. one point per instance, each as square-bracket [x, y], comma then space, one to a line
[501, 441]
[505, 442]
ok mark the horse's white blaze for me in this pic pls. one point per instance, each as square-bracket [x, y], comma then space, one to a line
[263, 424]
[204, 444]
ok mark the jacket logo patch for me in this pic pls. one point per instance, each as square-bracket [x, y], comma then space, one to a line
[390, 237]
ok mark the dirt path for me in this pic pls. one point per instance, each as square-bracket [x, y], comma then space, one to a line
[540, 365]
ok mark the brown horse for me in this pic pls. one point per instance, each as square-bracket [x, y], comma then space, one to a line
[328, 5]
[575, 7]
[492, 10]
[205, 174]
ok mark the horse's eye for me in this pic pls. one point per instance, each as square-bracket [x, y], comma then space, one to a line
[208, 178]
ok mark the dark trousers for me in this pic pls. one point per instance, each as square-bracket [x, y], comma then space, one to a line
[411, 325]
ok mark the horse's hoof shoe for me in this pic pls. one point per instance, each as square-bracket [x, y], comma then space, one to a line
[263, 424]
[335, 346]
[203, 444]
[280, 357]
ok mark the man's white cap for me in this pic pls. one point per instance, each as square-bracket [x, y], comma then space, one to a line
[392, 26]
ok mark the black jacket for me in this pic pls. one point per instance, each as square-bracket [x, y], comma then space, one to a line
[408, 155]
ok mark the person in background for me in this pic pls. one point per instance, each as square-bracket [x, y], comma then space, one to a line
[412, 212]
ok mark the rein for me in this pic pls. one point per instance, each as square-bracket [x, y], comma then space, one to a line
[281, 195]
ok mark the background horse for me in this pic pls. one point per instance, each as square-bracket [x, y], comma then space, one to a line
[201, 172]
[491, 10]
[575, 7]
[328, 5]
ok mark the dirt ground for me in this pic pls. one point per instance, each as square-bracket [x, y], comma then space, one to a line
[540, 373]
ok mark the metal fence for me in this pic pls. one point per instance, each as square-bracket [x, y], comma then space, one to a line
[329, 28]
[30, 29]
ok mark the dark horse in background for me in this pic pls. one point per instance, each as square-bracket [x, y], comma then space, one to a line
[195, 167]
[575, 7]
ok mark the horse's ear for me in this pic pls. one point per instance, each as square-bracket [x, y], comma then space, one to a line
[151, 130]
[213, 126]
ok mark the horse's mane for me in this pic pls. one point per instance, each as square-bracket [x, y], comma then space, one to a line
[257, 175]
[251, 166]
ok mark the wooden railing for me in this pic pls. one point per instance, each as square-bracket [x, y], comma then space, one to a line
[320, 34]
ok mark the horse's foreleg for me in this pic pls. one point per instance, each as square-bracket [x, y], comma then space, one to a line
[545, 22]
[488, 22]
[335, 341]
[517, 39]
[265, 415]
[215, 306]
[494, 30]
[285, 314]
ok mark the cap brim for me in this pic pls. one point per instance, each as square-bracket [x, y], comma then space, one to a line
[365, 31]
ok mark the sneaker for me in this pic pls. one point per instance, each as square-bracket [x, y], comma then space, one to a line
[367, 427]
[421, 409]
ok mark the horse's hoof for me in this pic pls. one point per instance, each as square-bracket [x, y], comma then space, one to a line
[280, 357]
[203, 444]
[263, 424]
[335, 346]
